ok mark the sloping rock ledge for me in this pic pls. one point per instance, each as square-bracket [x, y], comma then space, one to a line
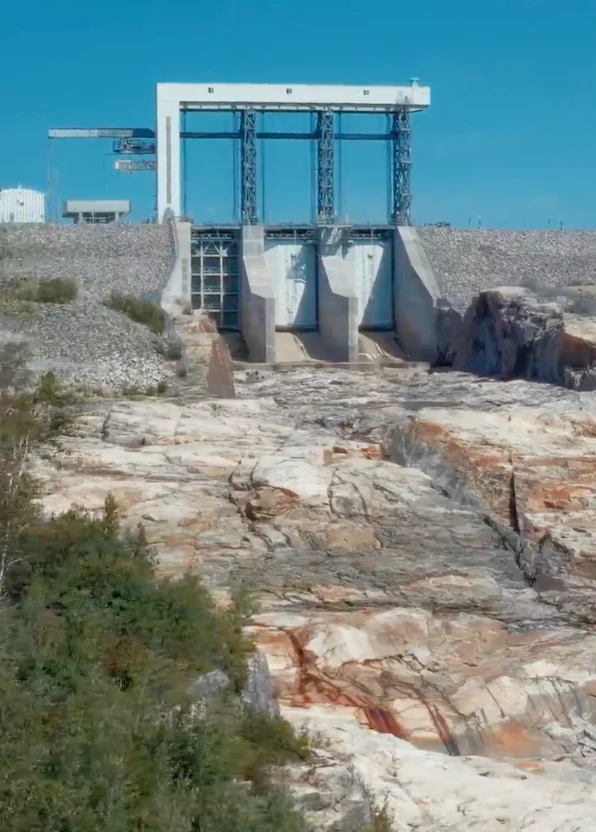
[424, 549]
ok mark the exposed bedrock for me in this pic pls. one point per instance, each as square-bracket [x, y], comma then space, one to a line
[518, 333]
[425, 556]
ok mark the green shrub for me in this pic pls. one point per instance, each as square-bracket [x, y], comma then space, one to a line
[133, 391]
[54, 290]
[20, 296]
[171, 352]
[99, 730]
[381, 821]
[142, 311]
[96, 657]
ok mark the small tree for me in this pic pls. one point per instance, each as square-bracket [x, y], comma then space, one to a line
[99, 731]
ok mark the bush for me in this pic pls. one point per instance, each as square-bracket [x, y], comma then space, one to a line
[171, 352]
[54, 290]
[132, 391]
[98, 729]
[142, 311]
[20, 296]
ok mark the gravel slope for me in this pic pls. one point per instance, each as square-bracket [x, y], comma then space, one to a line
[466, 262]
[84, 342]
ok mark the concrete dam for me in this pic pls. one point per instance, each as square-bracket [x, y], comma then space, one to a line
[331, 294]
[303, 294]
[323, 291]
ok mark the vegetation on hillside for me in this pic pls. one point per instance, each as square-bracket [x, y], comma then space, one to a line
[98, 729]
[141, 311]
[19, 296]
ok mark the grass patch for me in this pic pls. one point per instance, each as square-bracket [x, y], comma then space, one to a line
[142, 311]
[171, 352]
[58, 290]
[381, 821]
[13, 306]
[19, 297]
[134, 391]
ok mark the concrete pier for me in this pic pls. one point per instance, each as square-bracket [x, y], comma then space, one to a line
[416, 297]
[339, 295]
[177, 290]
[257, 296]
[337, 298]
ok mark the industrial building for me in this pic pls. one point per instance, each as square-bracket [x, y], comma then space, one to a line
[328, 289]
[96, 211]
[21, 205]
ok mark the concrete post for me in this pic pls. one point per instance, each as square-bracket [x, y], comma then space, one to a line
[167, 152]
[416, 295]
[257, 297]
[338, 301]
[178, 289]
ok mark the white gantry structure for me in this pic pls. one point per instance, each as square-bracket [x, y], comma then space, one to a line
[330, 290]
[249, 99]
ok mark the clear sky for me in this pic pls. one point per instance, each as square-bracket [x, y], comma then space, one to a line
[508, 141]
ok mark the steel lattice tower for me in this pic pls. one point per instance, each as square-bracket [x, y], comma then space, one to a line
[249, 212]
[325, 168]
[401, 133]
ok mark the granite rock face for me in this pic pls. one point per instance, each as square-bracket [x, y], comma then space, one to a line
[516, 333]
[423, 548]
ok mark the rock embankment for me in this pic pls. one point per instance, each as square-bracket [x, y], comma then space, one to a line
[83, 342]
[131, 259]
[466, 262]
[516, 333]
[424, 554]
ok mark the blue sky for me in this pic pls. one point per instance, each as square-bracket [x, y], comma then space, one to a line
[508, 141]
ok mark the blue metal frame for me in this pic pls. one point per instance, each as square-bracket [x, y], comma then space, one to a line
[135, 141]
[401, 134]
[249, 212]
[325, 168]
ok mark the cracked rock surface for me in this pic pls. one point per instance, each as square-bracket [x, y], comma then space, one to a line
[424, 551]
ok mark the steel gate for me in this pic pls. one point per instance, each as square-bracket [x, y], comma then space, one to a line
[292, 267]
[215, 281]
[371, 262]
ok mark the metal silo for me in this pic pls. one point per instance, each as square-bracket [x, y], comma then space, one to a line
[21, 205]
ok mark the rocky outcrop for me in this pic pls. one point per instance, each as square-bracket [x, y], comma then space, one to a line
[423, 551]
[513, 333]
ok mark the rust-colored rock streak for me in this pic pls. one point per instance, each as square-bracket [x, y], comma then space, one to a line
[220, 378]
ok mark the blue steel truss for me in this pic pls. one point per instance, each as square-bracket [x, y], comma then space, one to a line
[249, 211]
[138, 141]
[325, 168]
[402, 164]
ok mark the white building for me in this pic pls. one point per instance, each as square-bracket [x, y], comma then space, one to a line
[22, 205]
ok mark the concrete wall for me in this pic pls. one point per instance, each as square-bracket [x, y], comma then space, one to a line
[257, 296]
[338, 300]
[292, 269]
[371, 263]
[416, 296]
[177, 289]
